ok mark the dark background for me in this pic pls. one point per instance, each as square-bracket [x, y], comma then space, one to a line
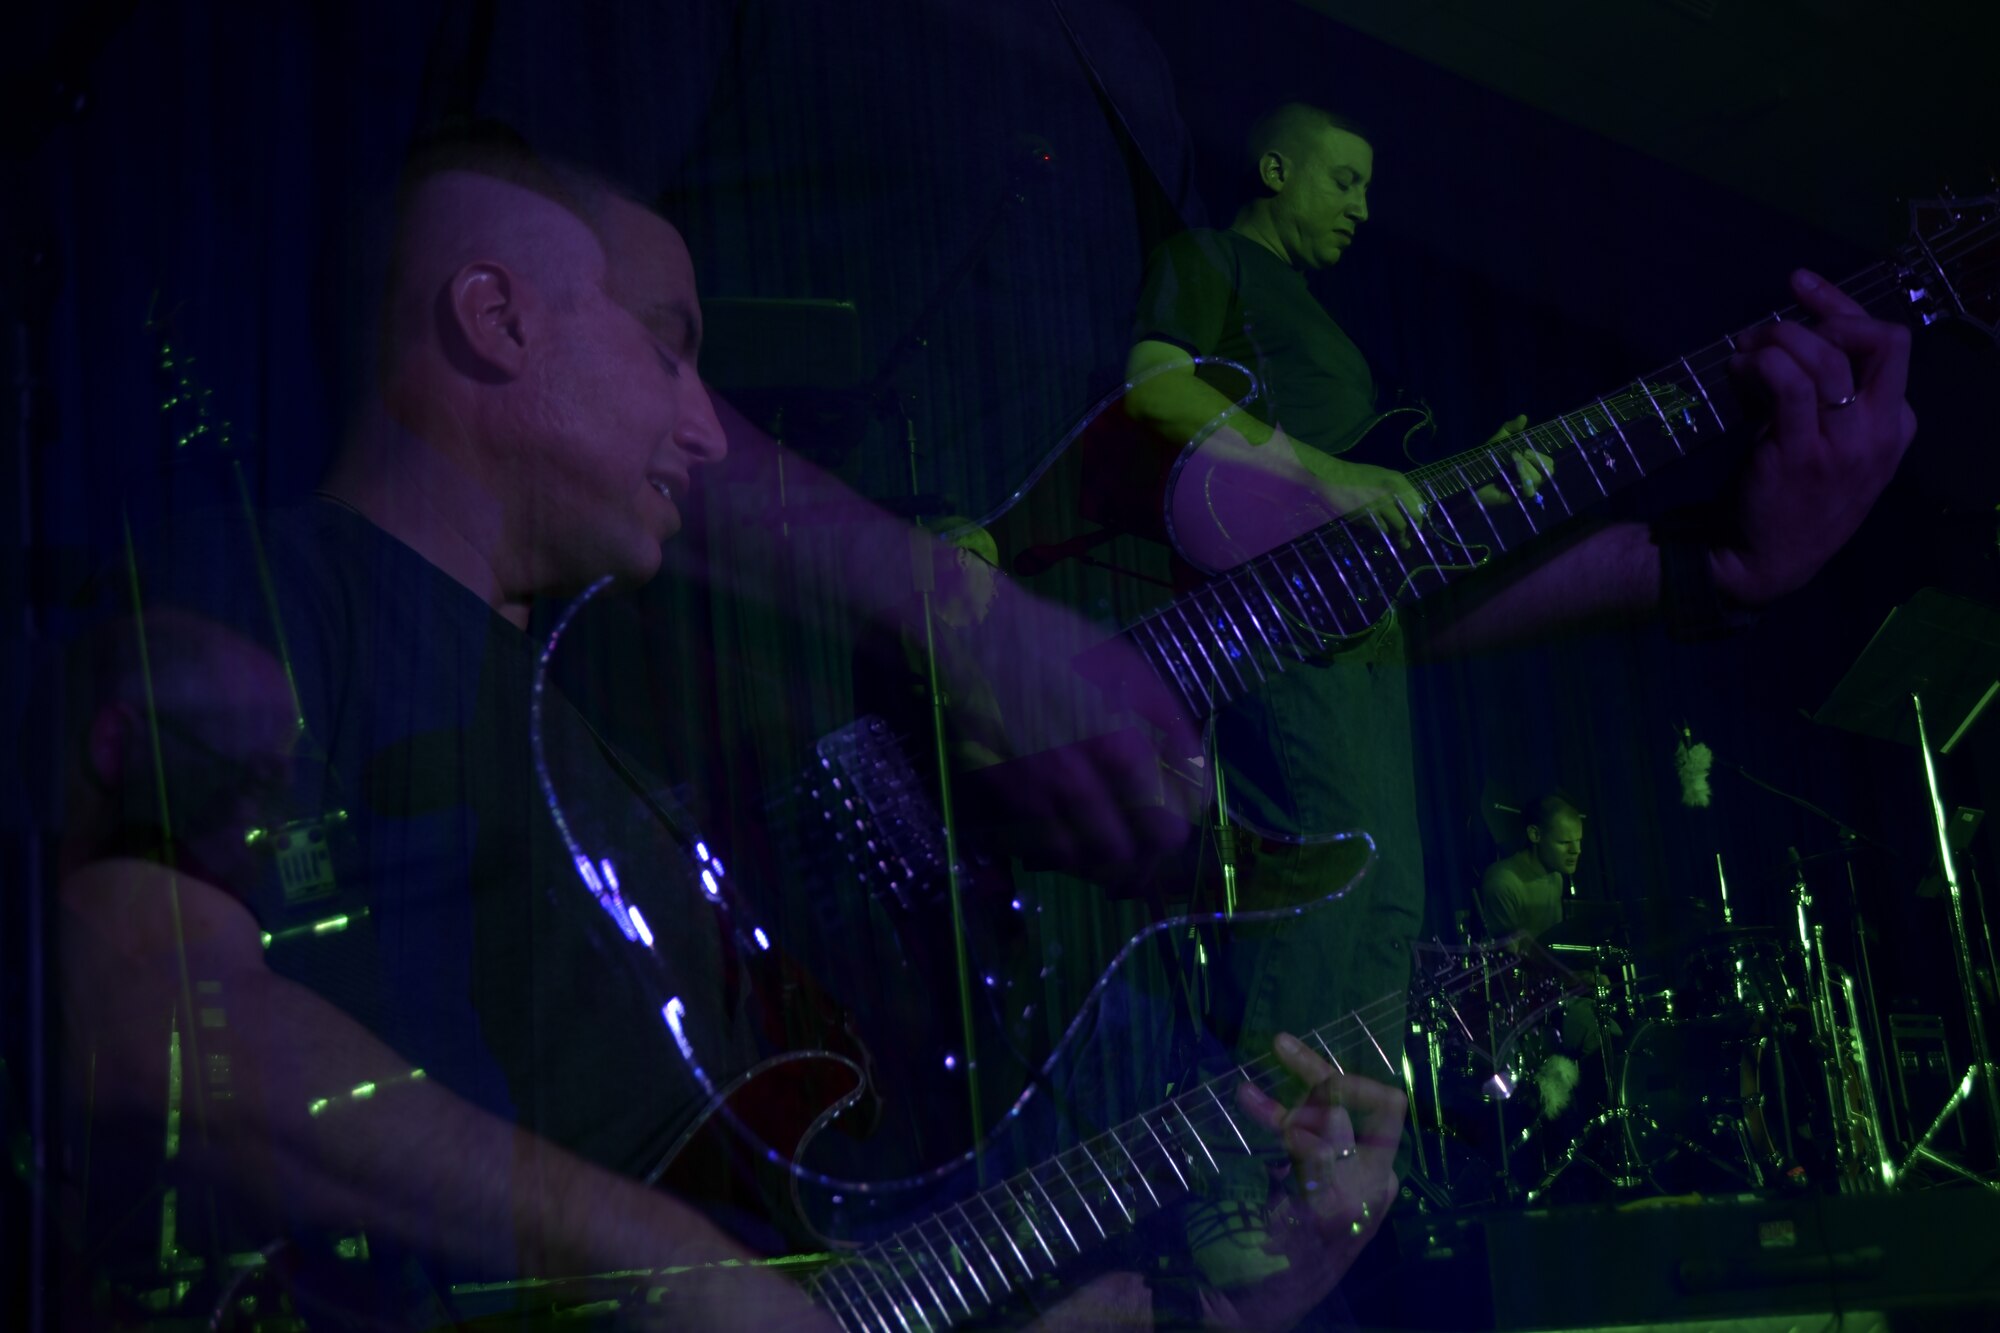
[1563, 200]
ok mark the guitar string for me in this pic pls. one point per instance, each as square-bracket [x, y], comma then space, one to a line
[1255, 1069]
[1092, 1151]
[1866, 287]
[1876, 282]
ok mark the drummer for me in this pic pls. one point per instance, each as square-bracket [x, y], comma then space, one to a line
[1522, 894]
[1521, 899]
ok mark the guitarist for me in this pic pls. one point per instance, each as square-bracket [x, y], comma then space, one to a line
[422, 1040]
[1326, 747]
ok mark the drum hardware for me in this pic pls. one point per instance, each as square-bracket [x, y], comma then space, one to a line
[1946, 650]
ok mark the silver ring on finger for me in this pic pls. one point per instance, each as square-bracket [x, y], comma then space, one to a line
[1839, 403]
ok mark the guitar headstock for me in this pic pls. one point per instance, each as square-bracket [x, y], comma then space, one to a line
[1951, 267]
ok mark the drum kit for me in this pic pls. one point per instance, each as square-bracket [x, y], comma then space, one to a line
[1666, 1048]
[1691, 1068]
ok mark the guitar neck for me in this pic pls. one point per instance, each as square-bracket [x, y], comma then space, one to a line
[1292, 603]
[969, 1259]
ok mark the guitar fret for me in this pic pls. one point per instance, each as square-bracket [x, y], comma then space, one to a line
[1390, 545]
[1665, 424]
[1549, 477]
[1246, 651]
[1165, 1152]
[1347, 587]
[1249, 615]
[1214, 676]
[1332, 1059]
[917, 1265]
[1228, 1119]
[1277, 616]
[1138, 1171]
[1440, 507]
[1077, 1190]
[1055, 1208]
[916, 1305]
[1197, 1136]
[861, 1278]
[991, 1257]
[846, 1311]
[1416, 526]
[1152, 626]
[1105, 1176]
[1702, 389]
[1584, 454]
[1305, 567]
[1387, 1063]
[1497, 539]
[1521, 504]
[1630, 453]
[944, 1269]
[1028, 1218]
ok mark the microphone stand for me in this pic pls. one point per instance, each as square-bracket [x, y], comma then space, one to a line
[1852, 1146]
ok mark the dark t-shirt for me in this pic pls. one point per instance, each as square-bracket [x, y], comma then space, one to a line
[1220, 294]
[450, 914]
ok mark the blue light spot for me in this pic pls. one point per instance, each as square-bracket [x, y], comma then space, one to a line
[708, 884]
[763, 940]
[1017, 904]
[950, 1061]
[701, 851]
[673, 1011]
[610, 874]
[639, 924]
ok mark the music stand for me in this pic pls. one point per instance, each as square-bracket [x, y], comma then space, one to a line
[1939, 654]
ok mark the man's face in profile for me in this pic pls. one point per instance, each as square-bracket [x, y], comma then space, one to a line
[1325, 199]
[630, 419]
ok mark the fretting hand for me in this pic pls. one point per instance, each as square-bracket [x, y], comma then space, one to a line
[1531, 468]
[1839, 426]
[1341, 1138]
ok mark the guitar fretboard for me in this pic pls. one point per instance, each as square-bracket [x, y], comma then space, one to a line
[1305, 597]
[969, 1259]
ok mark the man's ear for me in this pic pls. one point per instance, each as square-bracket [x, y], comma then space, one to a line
[1273, 170]
[1534, 834]
[485, 312]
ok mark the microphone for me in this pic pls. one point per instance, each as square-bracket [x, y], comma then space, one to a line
[1692, 760]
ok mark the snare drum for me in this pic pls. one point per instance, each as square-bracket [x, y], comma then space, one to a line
[1615, 975]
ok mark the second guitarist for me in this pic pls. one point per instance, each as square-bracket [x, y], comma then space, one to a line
[1326, 747]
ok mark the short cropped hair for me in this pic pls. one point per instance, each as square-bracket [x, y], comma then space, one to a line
[1284, 127]
[1545, 809]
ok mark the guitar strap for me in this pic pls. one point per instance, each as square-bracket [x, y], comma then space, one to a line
[1159, 215]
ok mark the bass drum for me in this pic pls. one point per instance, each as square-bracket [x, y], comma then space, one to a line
[1714, 1107]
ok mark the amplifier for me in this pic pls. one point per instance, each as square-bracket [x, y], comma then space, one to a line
[1924, 1077]
[1853, 1262]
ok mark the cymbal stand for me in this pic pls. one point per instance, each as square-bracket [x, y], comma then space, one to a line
[1982, 1078]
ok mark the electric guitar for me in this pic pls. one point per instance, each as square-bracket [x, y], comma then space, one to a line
[1290, 582]
[973, 1248]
